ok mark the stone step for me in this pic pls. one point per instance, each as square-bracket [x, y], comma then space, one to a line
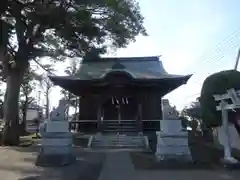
[119, 128]
[120, 123]
[122, 131]
[118, 136]
[135, 148]
[120, 141]
[100, 138]
[131, 125]
[115, 124]
[117, 142]
[118, 145]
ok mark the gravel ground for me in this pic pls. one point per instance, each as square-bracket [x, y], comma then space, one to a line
[18, 164]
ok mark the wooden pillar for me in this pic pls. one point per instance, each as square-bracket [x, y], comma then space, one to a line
[139, 118]
[99, 115]
[139, 109]
[151, 111]
[101, 98]
[119, 118]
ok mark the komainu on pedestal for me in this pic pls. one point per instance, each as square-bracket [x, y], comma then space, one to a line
[172, 142]
[56, 145]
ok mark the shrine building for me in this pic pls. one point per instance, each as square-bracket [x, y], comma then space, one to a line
[120, 95]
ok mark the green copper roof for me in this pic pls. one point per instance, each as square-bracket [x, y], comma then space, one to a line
[118, 66]
[140, 69]
[137, 67]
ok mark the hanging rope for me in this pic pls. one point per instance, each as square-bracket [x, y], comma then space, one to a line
[115, 100]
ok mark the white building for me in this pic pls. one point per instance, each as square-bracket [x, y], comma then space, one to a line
[33, 112]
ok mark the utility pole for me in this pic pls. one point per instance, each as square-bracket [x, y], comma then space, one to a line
[237, 59]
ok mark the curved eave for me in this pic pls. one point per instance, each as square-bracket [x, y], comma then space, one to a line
[174, 83]
[76, 85]
[171, 78]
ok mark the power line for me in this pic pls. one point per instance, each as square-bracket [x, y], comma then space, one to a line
[216, 66]
[214, 58]
[223, 44]
[237, 59]
[219, 50]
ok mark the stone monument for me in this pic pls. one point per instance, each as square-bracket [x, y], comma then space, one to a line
[172, 141]
[56, 145]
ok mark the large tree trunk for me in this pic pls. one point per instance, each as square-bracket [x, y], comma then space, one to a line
[24, 118]
[11, 109]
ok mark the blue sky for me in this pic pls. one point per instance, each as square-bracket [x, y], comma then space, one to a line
[193, 36]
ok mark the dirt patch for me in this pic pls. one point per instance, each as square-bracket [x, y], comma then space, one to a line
[19, 164]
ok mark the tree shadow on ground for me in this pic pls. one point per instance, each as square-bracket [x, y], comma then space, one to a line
[32, 149]
[31, 178]
[86, 164]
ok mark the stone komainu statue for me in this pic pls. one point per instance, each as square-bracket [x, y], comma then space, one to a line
[59, 113]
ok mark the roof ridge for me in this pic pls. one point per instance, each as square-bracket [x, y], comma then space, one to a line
[121, 59]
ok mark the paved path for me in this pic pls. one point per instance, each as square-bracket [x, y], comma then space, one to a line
[118, 166]
[18, 164]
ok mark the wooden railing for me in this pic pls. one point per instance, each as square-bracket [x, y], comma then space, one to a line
[81, 121]
[93, 125]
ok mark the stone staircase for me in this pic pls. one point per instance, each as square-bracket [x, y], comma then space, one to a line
[123, 127]
[118, 141]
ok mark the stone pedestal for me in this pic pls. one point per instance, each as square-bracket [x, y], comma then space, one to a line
[56, 146]
[172, 141]
[228, 142]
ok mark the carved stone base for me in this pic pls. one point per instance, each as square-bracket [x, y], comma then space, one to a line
[172, 146]
[52, 160]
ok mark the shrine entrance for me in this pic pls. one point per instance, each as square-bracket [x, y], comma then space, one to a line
[119, 115]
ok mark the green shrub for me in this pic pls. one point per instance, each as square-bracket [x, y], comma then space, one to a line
[217, 83]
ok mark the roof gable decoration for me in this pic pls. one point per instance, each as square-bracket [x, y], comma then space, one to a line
[97, 72]
[118, 66]
[123, 71]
